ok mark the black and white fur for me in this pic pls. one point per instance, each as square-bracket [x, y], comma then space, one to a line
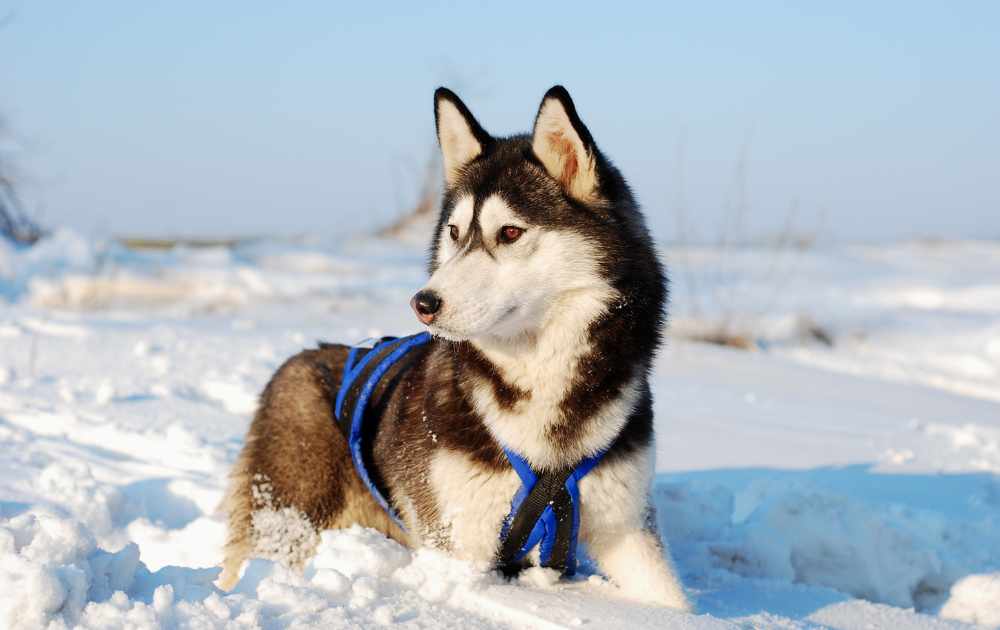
[548, 306]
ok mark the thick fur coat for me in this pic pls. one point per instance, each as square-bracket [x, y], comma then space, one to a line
[547, 303]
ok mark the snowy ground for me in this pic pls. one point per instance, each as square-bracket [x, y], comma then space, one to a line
[800, 486]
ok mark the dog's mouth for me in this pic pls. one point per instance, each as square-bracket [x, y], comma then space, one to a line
[438, 329]
[446, 333]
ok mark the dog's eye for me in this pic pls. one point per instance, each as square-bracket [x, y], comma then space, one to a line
[453, 230]
[510, 233]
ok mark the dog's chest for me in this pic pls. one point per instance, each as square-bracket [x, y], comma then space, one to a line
[473, 500]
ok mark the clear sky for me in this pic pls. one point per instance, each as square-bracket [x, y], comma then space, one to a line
[866, 120]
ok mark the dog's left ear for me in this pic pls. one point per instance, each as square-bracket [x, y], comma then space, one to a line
[564, 145]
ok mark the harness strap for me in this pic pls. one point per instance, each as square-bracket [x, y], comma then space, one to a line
[357, 369]
[361, 376]
[545, 512]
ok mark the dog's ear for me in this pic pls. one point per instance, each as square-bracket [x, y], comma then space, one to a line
[564, 146]
[462, 139]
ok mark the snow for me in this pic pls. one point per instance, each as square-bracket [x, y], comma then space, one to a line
[799, 485]
[974, 599]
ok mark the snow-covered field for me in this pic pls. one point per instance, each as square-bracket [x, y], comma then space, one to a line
[800, 485]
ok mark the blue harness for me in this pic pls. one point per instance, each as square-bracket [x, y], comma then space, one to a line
[544, 511]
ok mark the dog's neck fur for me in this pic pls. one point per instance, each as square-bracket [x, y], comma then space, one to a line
[524, 395]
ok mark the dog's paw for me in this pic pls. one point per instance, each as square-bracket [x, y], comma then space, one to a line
[660, 593]
[674, 599]
[681, 604]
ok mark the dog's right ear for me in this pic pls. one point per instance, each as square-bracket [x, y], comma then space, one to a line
[462, 139]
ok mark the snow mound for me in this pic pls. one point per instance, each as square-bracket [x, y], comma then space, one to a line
[890, 554]
[820, 539]
[975, 599]
[52, 574]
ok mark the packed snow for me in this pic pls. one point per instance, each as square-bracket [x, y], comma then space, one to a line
[800, 484]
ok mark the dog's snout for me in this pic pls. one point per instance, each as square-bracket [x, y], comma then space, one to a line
[426, 305]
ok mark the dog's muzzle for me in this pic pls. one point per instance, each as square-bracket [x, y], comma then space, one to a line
[426, 304]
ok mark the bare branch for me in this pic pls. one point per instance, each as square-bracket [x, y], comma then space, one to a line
[15, 224]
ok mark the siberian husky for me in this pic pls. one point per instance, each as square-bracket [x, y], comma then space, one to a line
[546, 302]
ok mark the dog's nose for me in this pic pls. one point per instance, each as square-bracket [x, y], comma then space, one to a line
[426, 305]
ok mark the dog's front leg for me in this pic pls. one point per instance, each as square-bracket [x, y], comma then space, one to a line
[618, 526]
[635, 559]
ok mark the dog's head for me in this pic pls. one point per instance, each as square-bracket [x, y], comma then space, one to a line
[528, 223]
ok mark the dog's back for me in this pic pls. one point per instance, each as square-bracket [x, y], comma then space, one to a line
[295, 476]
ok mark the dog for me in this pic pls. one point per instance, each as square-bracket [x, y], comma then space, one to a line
[546, 303]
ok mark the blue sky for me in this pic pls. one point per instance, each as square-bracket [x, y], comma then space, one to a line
[863, 120]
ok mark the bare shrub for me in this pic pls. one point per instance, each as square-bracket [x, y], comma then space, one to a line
[718, 311]
[15, 224]
[425, 206]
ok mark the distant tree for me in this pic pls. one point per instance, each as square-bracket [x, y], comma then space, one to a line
[15, 224]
